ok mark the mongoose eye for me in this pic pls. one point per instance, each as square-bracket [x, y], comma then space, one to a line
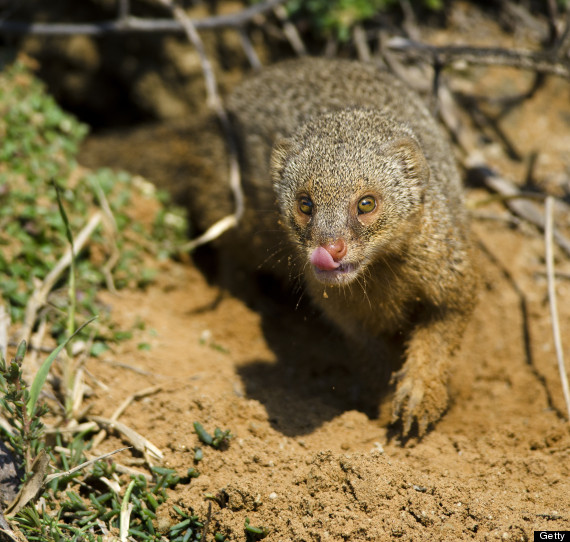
[366, 205]
[306, 205]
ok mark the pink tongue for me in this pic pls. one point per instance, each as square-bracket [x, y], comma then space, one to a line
[322, 260]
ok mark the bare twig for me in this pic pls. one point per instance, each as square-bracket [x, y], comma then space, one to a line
[548, 231]
[521, 18]
[290, 31]
[39, 296]
[552, 10]
[359, 36]
[562, 45]
[123, 9]
[132, 368]
[249, 50]
[215, 103]
[135, 24]
[474, 161]
[410, 22]
[537, 61]
[415, 79]
[521, 207]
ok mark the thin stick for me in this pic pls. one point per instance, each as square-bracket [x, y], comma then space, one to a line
[249, 50]
[39, 296]
[359, 37]
[552, 299]
[536, 61]
[290, 31]
[136, 24]
[475, 162]
[215, 103]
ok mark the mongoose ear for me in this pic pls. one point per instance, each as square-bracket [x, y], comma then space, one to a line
[412, 159]
[282, 150]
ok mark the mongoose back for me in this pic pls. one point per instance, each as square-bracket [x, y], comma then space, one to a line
[369, 211]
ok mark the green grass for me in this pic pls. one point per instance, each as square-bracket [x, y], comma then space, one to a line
[45, 201]
[38, 145]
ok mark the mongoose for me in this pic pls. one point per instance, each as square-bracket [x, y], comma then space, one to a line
[369, 212]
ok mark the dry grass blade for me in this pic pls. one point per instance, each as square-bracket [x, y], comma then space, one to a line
[7, 534]
[140, 443]
[120, 468]
[39, 296]
[79, 428]
[126, 509]
[51, 477]
[122, 407]
[32, 485]
[548, 234]
[134, 397]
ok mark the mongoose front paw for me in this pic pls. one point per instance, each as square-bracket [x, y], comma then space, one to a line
[420, 398]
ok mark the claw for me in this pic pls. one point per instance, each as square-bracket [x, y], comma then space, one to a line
[409, 407]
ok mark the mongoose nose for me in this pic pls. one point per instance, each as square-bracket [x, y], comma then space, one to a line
[337, 249]
[327, 257]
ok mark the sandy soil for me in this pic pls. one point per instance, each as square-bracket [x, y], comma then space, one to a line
[311, 458]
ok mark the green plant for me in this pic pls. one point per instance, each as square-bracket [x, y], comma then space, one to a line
[338, 17]
[20, 410]
[46, 199]
[254, 533]
[38, 145]
[220, 439]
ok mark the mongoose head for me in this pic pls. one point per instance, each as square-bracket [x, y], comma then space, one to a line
[350, 186]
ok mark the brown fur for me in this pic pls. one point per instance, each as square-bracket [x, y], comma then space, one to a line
[335, 131]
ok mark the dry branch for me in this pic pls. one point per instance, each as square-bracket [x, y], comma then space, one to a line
[135, 24]
[475, 163]
[537, 61]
